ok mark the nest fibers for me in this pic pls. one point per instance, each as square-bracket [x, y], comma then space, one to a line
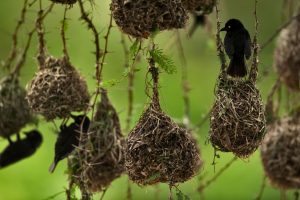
[139, 18]
[237, 120]
[280, 153]
[14, 109]
[103, 148]
[158, 150]
[202, 6]
[57, 90]
[286, 57]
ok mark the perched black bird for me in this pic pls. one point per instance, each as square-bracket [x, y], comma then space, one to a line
[237, 46]
[68, 138]
[21, 149]
[199, 20]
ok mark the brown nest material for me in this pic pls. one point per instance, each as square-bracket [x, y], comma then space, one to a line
[286, 56]
[158, 150]
[57, 90]
[102, 148]
[68, 2]
[139, 18]
[14, 109]
[202, 6]
[237, 120]
[280, 153]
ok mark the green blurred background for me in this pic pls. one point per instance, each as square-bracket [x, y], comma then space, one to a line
[30, 179]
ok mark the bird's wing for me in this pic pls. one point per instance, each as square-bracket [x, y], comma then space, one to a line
[247, 49]
[228, 43]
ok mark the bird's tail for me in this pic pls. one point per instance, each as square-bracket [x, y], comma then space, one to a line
[53, 166]
[237, 67]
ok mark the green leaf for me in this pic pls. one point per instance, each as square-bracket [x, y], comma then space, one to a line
[163, 61]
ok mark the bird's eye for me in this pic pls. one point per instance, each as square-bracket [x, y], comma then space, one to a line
[229, 27]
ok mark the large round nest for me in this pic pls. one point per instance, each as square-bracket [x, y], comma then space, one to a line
[57, 90]
[14, 109]
[202, 6]
[139, 18]
[237, 120]
[103, 149]
[286, 56]
[158, 150]
[68, 2]
[280, 153]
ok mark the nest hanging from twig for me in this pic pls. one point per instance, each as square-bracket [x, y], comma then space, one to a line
[68, 2]
[57, 90]
[139, 18]
[202, 6]
[102, 148]
[237, 120]
[286, 56]
[14, 109]
[280, 153]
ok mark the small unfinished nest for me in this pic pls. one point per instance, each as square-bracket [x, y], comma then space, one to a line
[202, 6]
[139, 18]
[280, 153]
[103, 149]
[14, 109]
[158, 150]
[286, 56]
[69, 2]
[237, 120]
[57, 90]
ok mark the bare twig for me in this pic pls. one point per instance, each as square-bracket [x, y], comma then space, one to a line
[217, 175]
[204, 118]
[13, 51]
[262, 189]
[103, 194]
[63, 34]
[170, 192]
[184, 81]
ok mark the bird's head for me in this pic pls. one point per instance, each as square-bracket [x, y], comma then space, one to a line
[34, 137]
[232, 25]
[81, 119]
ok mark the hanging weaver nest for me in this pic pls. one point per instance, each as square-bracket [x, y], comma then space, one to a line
[140, 18]
[158, 150]
[202, 6]
[280, 153]
[57, 90]
[237, 120]
[14, 109]
[286, 56]
[103, 148]
[69, 2]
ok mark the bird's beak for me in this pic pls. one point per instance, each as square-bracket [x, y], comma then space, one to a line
[223, 29]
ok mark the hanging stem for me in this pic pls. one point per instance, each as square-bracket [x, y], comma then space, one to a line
[13, 51]
[40, 31]
[262, 189]
[184, 81]
[63, 34]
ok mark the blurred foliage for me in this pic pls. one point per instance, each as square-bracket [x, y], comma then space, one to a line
[30, 180]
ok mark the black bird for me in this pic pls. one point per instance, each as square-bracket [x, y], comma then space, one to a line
[68, 138]
[21, 149]
[199, 20]
[237, 46]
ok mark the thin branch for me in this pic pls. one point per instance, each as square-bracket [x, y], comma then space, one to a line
[217, 175]
[63, 34]
[103, 194]
[278, 31]
[184, 81]
[13, 51]
[204, 119]
[262, 189]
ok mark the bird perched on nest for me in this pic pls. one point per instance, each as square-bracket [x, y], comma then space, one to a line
[68, 138]
[237, 46]
[21, 149]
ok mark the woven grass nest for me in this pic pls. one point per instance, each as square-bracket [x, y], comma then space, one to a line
[237, 120]
[139, 18]
[286, 56]
[57, 90]
[202, 6]
[68, 2]
[102, 150]
[14, 109]
[280, 153]
[158, 150]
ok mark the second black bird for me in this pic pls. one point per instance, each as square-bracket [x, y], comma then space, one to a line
[237, 46]
[68, 138]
